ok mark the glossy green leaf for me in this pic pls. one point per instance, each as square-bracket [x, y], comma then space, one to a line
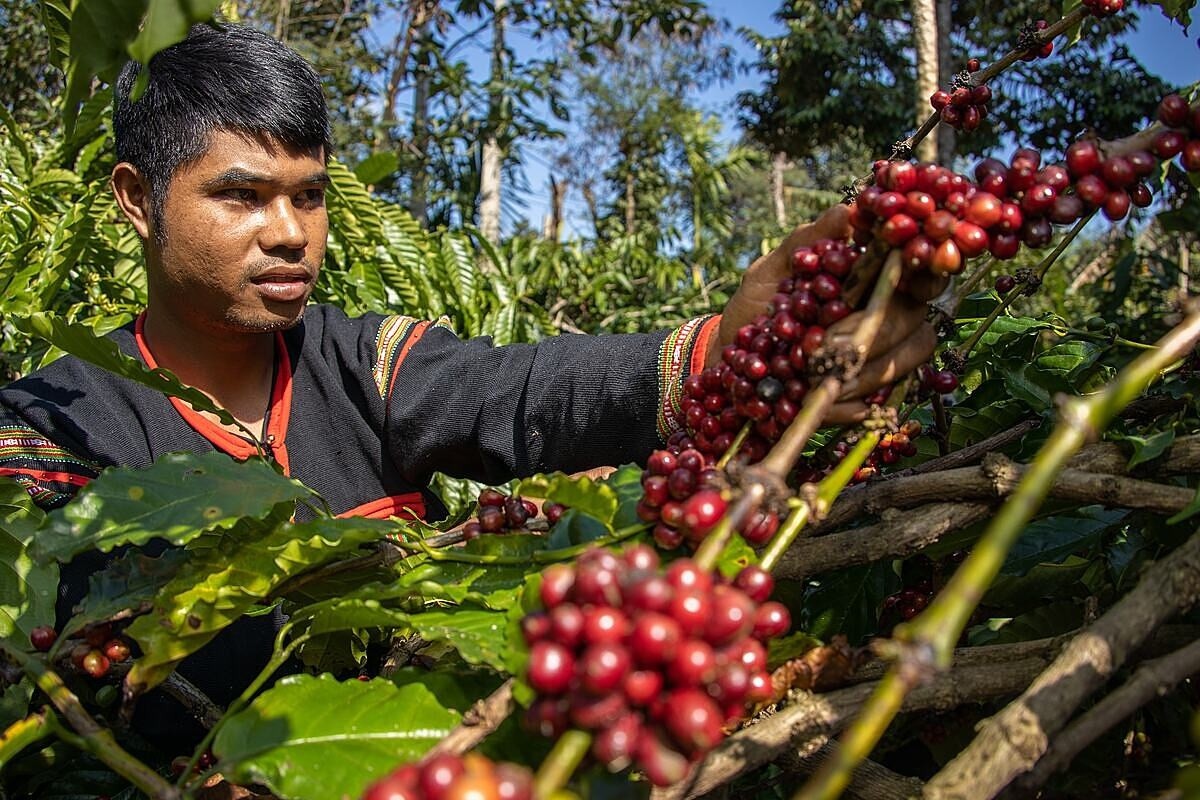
[80, 341]
[313, 737]
[167, 22]
[27, 589]
[129, 583]
[848, 601]
[479, 636]
[179, 497]
[583, 494]
[100, 32]
[1016, 593]
[1148, 448]
[227, 575]
[377, 166]
[1053, 538]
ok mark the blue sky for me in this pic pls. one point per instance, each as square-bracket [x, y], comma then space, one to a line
[1160, 45]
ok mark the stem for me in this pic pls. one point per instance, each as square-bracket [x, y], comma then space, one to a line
[734, 446]
[856, 744]
[827, 491]
[558, 767]
[715, 542]
[94, 739]
[280, 657]
[1017, 291]
[928, 641]
[970, 284]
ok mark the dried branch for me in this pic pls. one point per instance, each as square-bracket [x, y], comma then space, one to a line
[1152, 679]
[871, 781]
[1011, 742]
[971, 454]
[899, 534]
[479, 721]
[1079, 481]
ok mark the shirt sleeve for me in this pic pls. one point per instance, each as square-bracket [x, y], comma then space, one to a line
[571, 402]
[51, 474]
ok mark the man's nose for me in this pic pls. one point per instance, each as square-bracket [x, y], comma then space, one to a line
[283, 227]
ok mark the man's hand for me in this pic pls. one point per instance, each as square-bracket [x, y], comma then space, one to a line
[905, 341]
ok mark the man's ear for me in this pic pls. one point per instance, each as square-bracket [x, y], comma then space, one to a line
[132, 192]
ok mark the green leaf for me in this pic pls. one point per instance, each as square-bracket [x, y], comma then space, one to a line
[179, 497]
[736, 556]
[315, 737]
[784, 649]
[1051, 539]
[848, 601]
[1032, 587]
[227, 575]
[129, 583]
[1190, 511]
[27, 590]
[582, 494]
[80, 341]
[100, 30]
[1147, 448]
[167, 22]
[377, 166]
[478, 636]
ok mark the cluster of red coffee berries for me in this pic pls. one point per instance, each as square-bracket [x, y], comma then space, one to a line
[682, 495]
[762, 376]
[449, 777]
[502, 513]
[655, 663]
[965, 105]
[1183, 135]
[99, 648]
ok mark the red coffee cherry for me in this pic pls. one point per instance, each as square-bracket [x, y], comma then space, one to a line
[43, 637]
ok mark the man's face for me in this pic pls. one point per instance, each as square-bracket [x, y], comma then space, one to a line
[243, 235]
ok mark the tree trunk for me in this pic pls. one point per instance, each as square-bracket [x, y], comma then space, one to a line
[925, 37]
[779, 164]
[493, 154]
[418, 201]
[945, 134]
[630, 204]
[552, 225]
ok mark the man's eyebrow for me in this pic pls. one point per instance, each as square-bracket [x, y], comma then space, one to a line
[236, 175]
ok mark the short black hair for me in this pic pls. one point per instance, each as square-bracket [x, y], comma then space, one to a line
[221, 77]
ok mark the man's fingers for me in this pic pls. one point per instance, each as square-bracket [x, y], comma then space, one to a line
[894, 364]
[904, 317]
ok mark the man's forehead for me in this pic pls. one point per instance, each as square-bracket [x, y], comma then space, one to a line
[230, 150]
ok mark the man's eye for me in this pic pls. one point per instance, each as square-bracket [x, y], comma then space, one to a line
[312, 197]
[241, 195]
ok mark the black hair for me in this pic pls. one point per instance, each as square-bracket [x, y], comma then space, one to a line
[221, 77]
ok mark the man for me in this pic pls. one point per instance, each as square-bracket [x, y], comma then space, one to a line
[222, 173]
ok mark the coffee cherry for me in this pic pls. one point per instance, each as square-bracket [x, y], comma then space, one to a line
[702, 511]
[43, 637]
[116, 650]
[491, 497]
[603, 666]
[947, 259]
[756, 582]
[551, 668]
[557, 582]
[1005, 284]
[1168, 144]
[95, 663]
[1083, 158]
[1116, 206]
[972, 65]
[1190, 156]
[1173, 111]
[771, 620]
[693, 720]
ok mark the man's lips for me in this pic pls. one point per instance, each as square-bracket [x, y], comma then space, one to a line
[283, 285]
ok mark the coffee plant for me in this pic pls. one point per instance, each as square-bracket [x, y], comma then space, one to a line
[945, 586]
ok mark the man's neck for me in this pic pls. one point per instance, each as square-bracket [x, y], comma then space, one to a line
[235, 371]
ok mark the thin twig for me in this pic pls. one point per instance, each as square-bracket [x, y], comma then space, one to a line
[1151, 680]
[1011, 742]
[478, 722]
